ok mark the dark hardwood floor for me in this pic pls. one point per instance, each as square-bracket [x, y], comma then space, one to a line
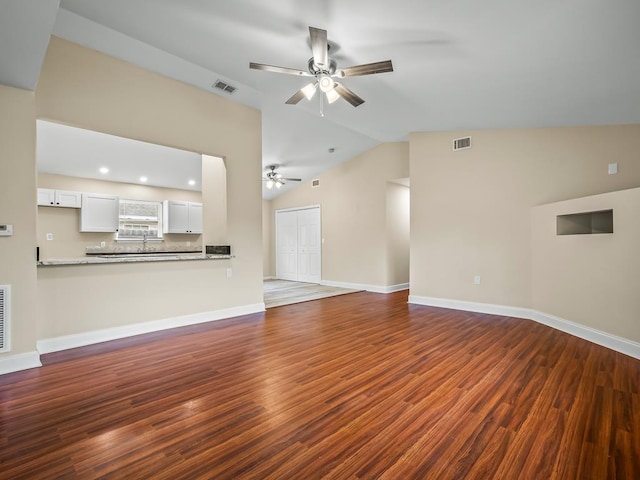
[357, 386]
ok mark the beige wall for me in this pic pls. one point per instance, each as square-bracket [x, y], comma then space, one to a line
[214, 175]
[18, 208]
[353, 200]
[267, 213]
[470, 210]
[398, 233]
[83, 88]
[64, 223]
[590, 279]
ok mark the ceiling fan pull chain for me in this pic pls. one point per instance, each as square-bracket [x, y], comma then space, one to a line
[321, 104]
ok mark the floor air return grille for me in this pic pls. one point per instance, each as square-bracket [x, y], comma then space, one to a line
[4, 318]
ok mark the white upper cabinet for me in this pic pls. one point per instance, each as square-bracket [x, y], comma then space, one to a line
[48, 197]
[181, 217]
[99, 213]
[195, 217]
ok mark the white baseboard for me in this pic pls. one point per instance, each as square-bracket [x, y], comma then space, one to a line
[396, 288]
[471, 306]
[367, 287]
[66, 342]
[619, 344]
[269, 278]
[21, 361]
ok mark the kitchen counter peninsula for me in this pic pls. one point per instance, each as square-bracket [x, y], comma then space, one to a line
[130, 258]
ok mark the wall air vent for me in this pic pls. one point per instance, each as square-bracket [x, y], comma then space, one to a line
[225, 87]
[462, 143]
[315, 183]
[5, 291]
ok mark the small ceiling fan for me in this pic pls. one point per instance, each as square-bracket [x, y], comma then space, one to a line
[324, 70]
[275, 179]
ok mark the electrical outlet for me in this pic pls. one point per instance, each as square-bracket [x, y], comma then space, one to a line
[229, 273]
[103, 244]
[49, 236]
[613, 168]
[476, 280]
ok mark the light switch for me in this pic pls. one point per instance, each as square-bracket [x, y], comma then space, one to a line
[613, 168]
[476, 280]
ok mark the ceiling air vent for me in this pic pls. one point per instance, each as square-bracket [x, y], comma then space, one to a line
[315, 183]
[225, 87]
[4, 318]
[462, 143]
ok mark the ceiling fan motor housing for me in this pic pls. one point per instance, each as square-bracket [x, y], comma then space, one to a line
[315, 70]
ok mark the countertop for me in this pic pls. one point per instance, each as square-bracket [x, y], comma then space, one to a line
[101, 259]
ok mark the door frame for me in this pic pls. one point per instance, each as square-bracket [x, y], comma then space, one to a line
[275, 224]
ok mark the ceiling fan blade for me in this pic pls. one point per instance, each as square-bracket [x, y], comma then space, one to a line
[292, 179]
[347, 94]
[295, 98]
[367, 69]
[319, 47]
[273, 68]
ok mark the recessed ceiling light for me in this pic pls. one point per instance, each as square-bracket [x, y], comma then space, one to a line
[192, 182]
[104, 170]
[143, 179]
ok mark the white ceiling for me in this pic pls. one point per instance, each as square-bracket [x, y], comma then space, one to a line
[66, 150]
[457, 65]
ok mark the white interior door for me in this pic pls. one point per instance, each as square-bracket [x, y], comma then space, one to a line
[298, 245]
[309, 245]
[287, 245]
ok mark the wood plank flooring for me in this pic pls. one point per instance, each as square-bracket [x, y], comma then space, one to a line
[360, 386]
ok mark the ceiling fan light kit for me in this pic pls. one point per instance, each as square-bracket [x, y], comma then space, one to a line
[325, 82]
[332, 95]
[309, 90]
[324, 69]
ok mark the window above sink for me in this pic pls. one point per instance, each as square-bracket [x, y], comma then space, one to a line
[140, 220]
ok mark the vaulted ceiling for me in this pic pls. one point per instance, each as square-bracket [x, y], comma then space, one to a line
[457, 65]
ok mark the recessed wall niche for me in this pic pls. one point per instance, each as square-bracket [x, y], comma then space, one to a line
[585, 223]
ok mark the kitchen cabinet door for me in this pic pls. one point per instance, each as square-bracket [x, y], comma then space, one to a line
[99, 213]
[182, 217]
[65, 198]
[48, 197]
[195, 217]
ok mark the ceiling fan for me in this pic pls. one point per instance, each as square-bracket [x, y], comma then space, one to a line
[274, 179]
[324, 70]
